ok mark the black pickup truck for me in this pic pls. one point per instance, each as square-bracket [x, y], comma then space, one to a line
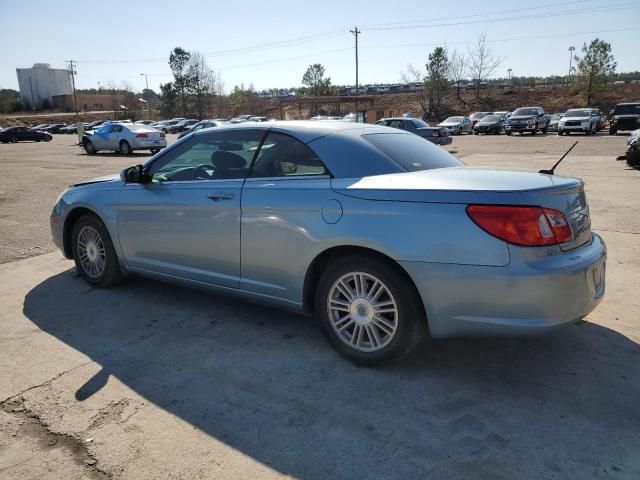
[626, 116]
[527, 119]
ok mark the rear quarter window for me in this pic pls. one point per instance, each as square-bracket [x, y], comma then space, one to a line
[412, 152]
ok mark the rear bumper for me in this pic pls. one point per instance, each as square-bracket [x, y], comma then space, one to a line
[527, 298]
[440, 140]
[148, 144]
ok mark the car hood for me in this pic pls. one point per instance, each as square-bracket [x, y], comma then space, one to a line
[105, 179]
[454, 185]
[488, 122]
[449, 124]
[580, 119]
[522, 117]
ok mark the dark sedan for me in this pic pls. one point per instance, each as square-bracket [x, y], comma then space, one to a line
[437, 135]
[490, 124]
[182, 125]
[21, 134]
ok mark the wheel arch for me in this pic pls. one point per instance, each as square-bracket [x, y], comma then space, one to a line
[324, 258]
[72, 217]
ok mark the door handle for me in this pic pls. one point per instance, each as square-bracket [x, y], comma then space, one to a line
[220, 196]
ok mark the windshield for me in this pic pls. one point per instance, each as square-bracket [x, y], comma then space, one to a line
[578, 113]
[453, 120]
[491, 118]
[412, 152]
[420, 123]
[633, 109]
[526, 112]
[478, 115]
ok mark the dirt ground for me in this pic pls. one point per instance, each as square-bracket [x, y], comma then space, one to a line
[148, 380]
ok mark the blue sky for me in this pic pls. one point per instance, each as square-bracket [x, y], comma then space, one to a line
[270, 44]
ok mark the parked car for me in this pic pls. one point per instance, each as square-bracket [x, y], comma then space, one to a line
[503, 113]
[626, 116]
[257, 118]
[164, 125]
[601, 119]
[527, 119]
[490, 124]
[578, 120]
[200, 125]
[475, 117]
[123, 138]
[437, 135]
[21, 134]
[553, 122]
[182, 125]
[457, 125]
[41, 126]
[54, 128]
[144, 122]
[93, 125]
[379, 234]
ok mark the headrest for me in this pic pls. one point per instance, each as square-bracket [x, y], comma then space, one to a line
[226, 160]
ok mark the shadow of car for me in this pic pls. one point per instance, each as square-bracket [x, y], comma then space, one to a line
[265, 383]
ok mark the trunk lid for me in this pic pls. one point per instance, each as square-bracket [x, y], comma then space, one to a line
[464, 185]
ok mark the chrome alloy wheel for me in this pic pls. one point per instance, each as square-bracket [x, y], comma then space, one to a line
[91, 252]
[362, 311]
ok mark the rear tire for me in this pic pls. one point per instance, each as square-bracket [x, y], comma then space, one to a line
[95, 258]
[383, 311]
[125, 148]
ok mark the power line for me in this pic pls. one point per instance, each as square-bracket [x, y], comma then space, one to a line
[513, 39]
[515, 10]
[608, 8]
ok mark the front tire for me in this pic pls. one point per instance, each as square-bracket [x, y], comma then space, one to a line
[89, 147]
[95, 258]
[369, 311]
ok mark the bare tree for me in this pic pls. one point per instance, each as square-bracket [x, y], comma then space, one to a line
[411, 74]
[482, 63]
[458, 71]
[200, 78]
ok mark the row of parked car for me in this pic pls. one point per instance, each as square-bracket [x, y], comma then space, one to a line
[625, 116]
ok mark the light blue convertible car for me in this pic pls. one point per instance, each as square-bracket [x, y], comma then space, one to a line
[383, 236]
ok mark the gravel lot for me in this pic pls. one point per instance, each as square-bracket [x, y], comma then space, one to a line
[149, 380]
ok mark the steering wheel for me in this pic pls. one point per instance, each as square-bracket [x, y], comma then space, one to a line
[201, 171]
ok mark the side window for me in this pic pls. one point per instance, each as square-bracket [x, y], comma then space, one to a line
[396, 124]
[116, 129]
[282, 155]
[214, 156]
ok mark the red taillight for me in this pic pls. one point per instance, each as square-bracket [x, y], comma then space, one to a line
[142, 135]
[526, 226]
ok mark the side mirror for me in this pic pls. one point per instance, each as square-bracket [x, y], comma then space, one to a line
[133, 174]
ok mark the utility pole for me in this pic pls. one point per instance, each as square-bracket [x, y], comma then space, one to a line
[571, 50]
[73, 82]
[146, 94]
[356, 32]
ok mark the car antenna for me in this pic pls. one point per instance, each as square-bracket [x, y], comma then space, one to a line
[552, 170]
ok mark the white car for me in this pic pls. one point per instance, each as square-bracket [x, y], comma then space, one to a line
[583, 120]
[123, 138]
